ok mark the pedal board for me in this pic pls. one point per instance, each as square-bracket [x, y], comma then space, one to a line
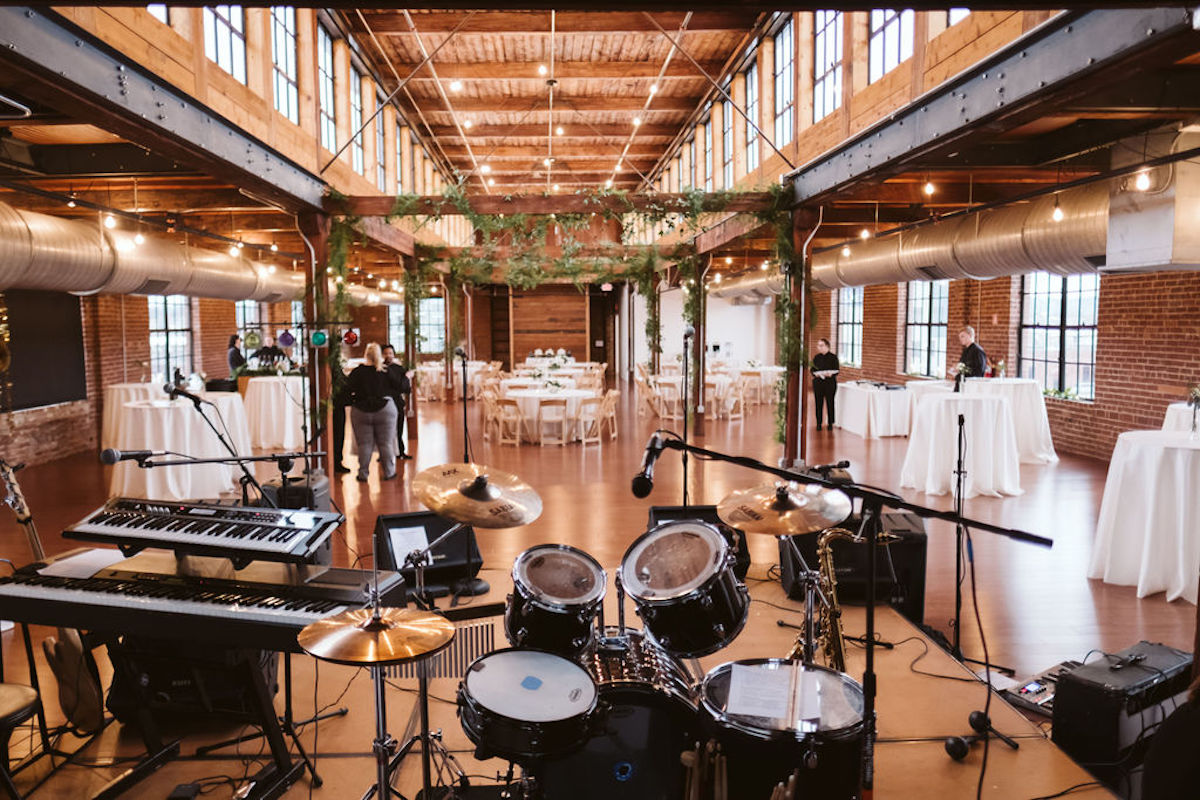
[1036, 693]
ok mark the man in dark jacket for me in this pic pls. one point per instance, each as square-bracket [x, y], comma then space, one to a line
[400, 378]
[973, 357]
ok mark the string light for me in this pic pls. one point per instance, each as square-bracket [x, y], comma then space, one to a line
[467, 123]
[456, 86]
[728, 260]
[491, 181]
[555, 187]
[1142, 181]
[845, 250]
[653, 89]
[1057, 213]
[929, 188]
[765, 266]
[608, 184]
[71, 201]
[637, 121]
[485, 169]
[274, 247]
[864, 234]
[717, 278]
[559, 130]
[110, 221]
[138, 238]
[542, 69]
[233, 251]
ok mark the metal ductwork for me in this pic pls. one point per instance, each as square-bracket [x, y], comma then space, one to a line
[41, 251]
[749, 289]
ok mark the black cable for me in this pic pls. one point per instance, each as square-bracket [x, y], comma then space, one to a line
[987, 665]
[1067, 791]
[912, 666]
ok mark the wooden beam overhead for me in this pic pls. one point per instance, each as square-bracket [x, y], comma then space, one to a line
[510, 104]
[576, 131]
[565, 152]
[526, 23]
[563, 70]
[381, 205]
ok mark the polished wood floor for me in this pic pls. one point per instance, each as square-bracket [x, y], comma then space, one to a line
[1037, 606]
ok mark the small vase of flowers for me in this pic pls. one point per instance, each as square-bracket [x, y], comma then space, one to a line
[1194, 403]
[959, 372]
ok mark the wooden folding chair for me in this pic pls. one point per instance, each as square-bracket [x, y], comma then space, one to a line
[590, 419]
[512, 421]
[552, 416]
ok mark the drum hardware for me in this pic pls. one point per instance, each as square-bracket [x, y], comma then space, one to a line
[886, 645]
[376, 637]
[558, 591]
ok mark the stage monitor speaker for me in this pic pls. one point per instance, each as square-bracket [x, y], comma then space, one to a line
[1106, 710]
[735, 537]
[900, 566]
[300, 491]
[455, 559]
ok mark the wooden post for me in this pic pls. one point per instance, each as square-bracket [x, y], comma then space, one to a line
[411, 356]
[315, 228]
[698, 343]
[657, 312]
[796, 410]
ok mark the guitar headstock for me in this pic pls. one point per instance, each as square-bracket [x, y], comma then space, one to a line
[13, 497]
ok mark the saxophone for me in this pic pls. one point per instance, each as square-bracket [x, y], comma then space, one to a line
[829, 621]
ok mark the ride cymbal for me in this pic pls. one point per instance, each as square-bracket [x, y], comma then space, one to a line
[358, 638]
[784, 509]
[477, 495]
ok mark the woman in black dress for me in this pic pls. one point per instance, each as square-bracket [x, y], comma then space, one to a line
[373, 412]
[824, 371]
[235, 357]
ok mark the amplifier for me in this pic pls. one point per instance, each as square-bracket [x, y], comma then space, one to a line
[455, 559]
[900, 566]
[1105, 710]
[300, 492]
[735, 537]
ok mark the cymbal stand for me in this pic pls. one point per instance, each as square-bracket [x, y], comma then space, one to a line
[812, 594]
[419, 559]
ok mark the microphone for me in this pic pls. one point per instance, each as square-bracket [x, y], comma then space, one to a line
[461, 353]
[688, 331]
[111, 455]
[823, 468]
[957, 747]
[643, 482]
[175, 391]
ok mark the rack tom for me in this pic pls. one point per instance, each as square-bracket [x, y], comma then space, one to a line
[557, 592]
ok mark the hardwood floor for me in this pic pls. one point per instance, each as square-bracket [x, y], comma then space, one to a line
[1037, 606]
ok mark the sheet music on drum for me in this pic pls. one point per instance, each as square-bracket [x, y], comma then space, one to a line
[756, 692]
[82, 565]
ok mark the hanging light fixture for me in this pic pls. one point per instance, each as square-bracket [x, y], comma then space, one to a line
[233, 251]
[1057, 213]
[456, 86]
[274, 247]
[929, 188]
[110, 221]
[845, 250]
[1142, 181]
[559, 130]
[864, 234]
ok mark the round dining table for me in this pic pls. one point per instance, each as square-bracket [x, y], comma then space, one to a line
[514, 384]
[116, 395]
[530, 400]
[1178, 417]
[990, 458]
[1027, 405]
[275, 407]
[1146, 534]
[872, 411]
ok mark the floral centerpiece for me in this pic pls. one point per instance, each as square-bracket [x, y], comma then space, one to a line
[1194, 402]
[537, 375]
[562, 353]
[999, 368]
[753, 363]
[537, 352]
[555, 365]
[553, 385]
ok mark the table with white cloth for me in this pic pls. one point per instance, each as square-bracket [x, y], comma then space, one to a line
[573, 372]
[917, 389]
[767, 377]
[228, 413]
[1028, 408]
[991, 461]
[1148, 533]
[174, 426]
[514, 384]
[473, 368]
[115, 397]
[275, 412]
[530, 400]
[541, 362]
[721, 384]
[1178, 417]
[872, 411]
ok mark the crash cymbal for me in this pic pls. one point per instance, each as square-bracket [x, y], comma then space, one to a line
[477, 495]
[784, 509]
[358, 638]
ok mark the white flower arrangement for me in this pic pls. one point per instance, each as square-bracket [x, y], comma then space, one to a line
[753, 363]
[1194, 396]
[959, 369]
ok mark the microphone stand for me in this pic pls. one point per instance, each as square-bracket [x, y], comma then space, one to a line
[247, 478]
[466, 431]
[687, 348]
[873, 502]
[465, 586]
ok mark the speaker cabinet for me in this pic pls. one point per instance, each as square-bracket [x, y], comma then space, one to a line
[311, 491]
[900, 566]
[735, 537]
[456, 558]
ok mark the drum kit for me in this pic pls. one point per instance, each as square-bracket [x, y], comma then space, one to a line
[586, 709]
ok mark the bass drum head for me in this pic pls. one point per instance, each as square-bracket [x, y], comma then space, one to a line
[559, 575]
[824, 701]
[673, 560]
[530, 686]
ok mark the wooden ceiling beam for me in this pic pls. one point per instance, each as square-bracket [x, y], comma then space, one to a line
[525, 23]
[519, 104]
[595, 131]
[381, 205]
[563, 70]
[568, 151]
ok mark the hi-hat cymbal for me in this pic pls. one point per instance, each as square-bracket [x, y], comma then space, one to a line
[784, 509]
[358, 638]
[477, 495]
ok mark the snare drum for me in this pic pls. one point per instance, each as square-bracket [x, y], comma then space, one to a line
[557, 591]
[526, 705]
[818, 729]
[649, 713]
[680, 576]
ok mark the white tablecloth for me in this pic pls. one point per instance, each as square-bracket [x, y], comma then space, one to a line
[541, 362]
[473, 368]
[869, 411]
[275, 412]
[1148, 533]
[115, 398]
[1028, 408]
[232, 410]
[546, 372]
[1178, 418]
[991, 461]
[918, 389]
[768, 378]
[722, 382]
[516, 384]
[177, 427]
[531, 399]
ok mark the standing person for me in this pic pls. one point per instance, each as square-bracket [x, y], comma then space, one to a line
[340, 402]
[234, 356]
[825, 368]
[399, 376]
[269, 354]
[373, 413]
[973, 357]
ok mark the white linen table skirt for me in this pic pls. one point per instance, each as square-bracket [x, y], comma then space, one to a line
[1028, 407]
[175, 426]
[872, 412]
[115, 397]
[991, 461]
[275, 412]
[1178, 418]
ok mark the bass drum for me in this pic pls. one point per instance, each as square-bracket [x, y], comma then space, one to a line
[557, 592]
[680, 575]
[649, 718]
[820, 734]
[526, 705]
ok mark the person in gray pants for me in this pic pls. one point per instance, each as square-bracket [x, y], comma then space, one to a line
[373, 413]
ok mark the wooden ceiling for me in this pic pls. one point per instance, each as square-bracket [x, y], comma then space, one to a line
[523, 101]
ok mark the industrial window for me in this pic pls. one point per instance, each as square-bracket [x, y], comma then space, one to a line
[396, 329]
[925, 328]
[827, 63]
[380, 157]
[225, 39]
[850, 326]
[358, 158]
[399, 159]
[159, 12]
[248, 315]
[283, 51]
[326, 104]
[891, 40]
[785, 84]
[691, 167]
[1058, 332]
[956, 15]
[751, 78]
[301, 332]
[170, 336]
[727, 142]
[433, 325]
[708, 151]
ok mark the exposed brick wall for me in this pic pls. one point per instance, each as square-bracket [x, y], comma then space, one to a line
[214, 321]
[372, 324]
[1148, 347]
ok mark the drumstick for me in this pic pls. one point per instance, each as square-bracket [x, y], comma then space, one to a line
[777, 792]
[722, 776]
[790, 792]
[688, 759]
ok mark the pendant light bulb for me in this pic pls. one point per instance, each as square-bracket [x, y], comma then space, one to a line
[1057, 213]
[1142, 182]
[110, 221]
[845, 250]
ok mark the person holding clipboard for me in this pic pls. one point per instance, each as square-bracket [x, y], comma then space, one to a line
[825, 368]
